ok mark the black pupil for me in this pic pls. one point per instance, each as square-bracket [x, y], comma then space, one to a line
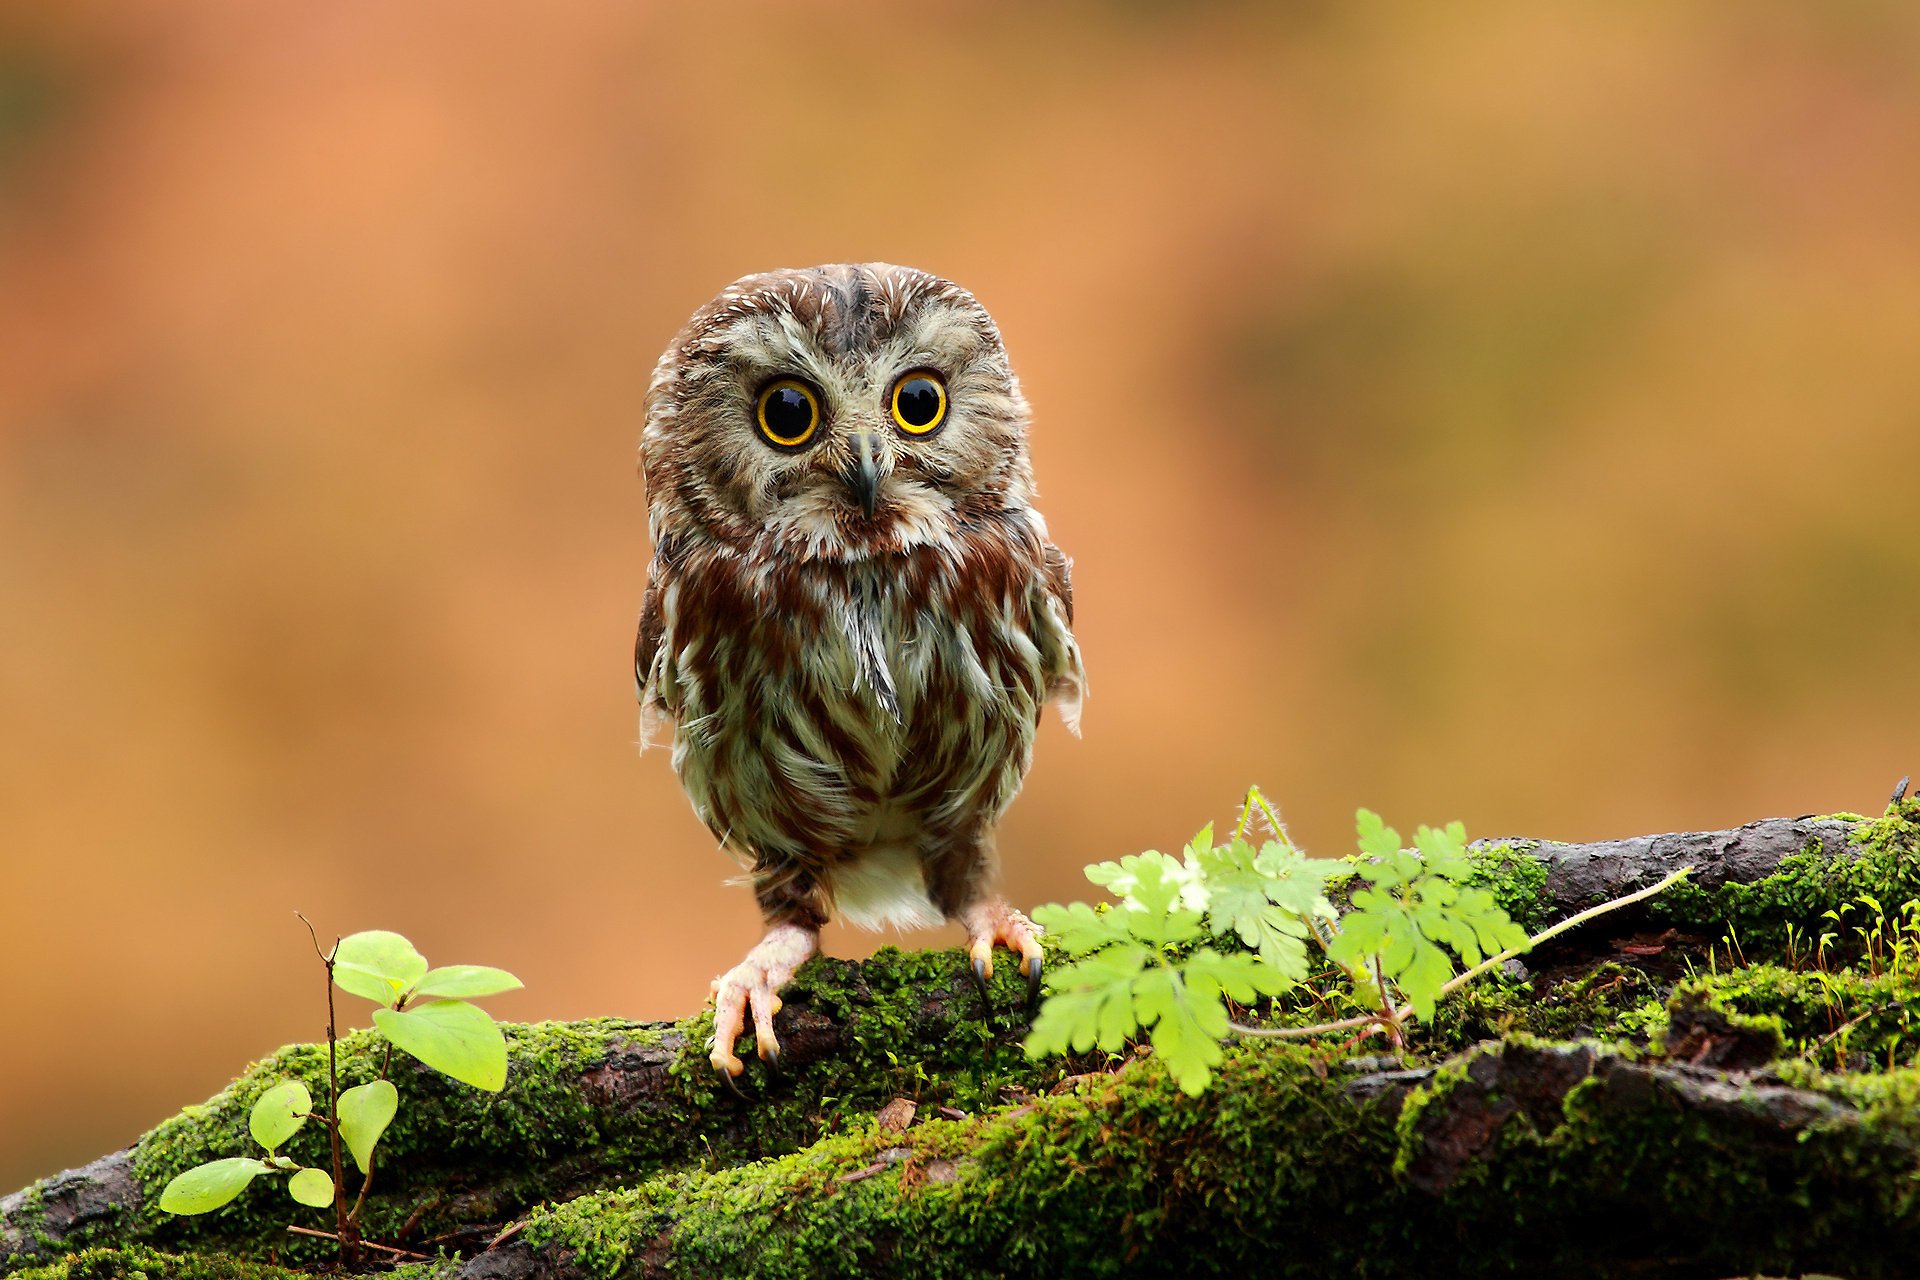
[789, 413]
[919, 402]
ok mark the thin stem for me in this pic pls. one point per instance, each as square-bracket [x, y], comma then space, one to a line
[1391, 1018]
[1246, 814]
[1812, 1053]
[364, 1244]
[344, 1223]
[1257, 800]
[316, 940]
[1306, 1033]
[1571, 922]
[1388, 1018]
[1273, 819]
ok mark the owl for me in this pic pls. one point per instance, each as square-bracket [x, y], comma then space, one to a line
[853, 617]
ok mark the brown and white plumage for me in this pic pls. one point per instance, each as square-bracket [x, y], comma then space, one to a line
[853, 636]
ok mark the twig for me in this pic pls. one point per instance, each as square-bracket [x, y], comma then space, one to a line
[1387, 1018]
[314, 934]
[346, 1228]
[1571, 922]
[1371, 1020]
[365, 1244]
[1842, 1029]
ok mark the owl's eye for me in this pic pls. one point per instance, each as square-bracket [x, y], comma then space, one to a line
[788, 412]
[919, 403]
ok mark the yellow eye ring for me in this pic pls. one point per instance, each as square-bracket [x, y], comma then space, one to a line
[788, 412]
[919, 403]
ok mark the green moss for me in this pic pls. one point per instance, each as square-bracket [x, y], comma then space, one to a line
[1885, 864]
[1610, 1001]
[648, 1162]
[1838, 1019]
[1282, 1170]
[137, 1262]
[28, 1225]
[1094, 1181]
[1612, 1168]
[899, 1024]
[1517, 880]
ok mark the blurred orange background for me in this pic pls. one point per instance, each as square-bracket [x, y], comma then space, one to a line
[1505, 415]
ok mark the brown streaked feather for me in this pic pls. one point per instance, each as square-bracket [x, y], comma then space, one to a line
[1060, 578]
[848, 688]
[646, 641]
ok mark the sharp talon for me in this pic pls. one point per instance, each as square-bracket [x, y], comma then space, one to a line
[1033, 986]
[775, 1071]
[979, 971]
[732, 1084]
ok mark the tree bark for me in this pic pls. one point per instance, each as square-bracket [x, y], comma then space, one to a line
[1584, 875]
[1562, 1157]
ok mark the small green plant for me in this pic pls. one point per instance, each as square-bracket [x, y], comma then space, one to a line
[1145, 961]
[425, 1013]
[1887, 942]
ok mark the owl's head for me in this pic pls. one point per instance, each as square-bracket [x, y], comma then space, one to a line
[836, 412]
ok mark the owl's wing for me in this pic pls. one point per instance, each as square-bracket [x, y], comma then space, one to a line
[1060, 579]
[1059, 651]
[646, 659]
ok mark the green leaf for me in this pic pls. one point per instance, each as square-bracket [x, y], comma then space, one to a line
[1361, 934]
[1154, 913]
[1422, 977]
[1377, 839]
[1296, 882]
[1117, 877]
[1186, 1027]
[365, 1112]
[377, 965]
[1169, 929]
[466, 981]
[451, 1036]
[206, 1187]
[1444, 851]
[1080, 928]
[1150, 881]
[1237, 898]
[1089, 1003]
[311, 1187]
[279, 1113]
[1238, 976]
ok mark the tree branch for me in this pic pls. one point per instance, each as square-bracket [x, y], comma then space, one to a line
[650, 1164]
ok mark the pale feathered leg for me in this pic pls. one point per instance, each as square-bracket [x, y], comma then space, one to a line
[755, 984]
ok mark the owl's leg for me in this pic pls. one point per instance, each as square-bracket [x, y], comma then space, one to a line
[959, 877]
[794, 911]
[992, 922]
[755, 984]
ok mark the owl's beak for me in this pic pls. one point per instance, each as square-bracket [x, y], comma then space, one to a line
[863, 473]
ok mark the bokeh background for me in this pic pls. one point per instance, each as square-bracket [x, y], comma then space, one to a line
[1507, 414]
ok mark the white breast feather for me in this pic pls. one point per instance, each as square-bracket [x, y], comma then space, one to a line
[884, 887]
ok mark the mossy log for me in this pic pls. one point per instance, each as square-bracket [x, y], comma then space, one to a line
[1689, 1092]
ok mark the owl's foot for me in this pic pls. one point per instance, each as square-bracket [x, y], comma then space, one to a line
[994, 922]
[755, 984]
